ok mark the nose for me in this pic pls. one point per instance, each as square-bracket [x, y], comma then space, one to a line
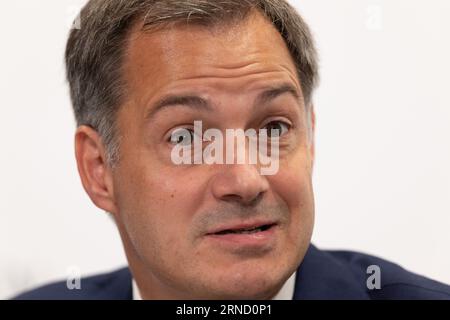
[240, 183]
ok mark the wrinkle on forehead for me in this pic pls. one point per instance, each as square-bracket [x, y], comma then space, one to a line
[255, 69]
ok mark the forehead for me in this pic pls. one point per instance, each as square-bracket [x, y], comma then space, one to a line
[229, 55]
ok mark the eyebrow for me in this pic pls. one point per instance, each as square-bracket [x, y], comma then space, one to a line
[270, 94]
[196, 102]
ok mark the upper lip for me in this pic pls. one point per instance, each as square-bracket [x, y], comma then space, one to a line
[241, 225]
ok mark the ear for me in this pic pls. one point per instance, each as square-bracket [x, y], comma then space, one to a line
[313, 135]
[95, 173]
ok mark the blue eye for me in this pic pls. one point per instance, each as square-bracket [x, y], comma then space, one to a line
[277, 129]
[182, 136]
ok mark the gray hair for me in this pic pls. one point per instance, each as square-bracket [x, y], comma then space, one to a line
[95, 52]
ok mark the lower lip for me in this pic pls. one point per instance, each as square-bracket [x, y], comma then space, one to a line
[257, 239]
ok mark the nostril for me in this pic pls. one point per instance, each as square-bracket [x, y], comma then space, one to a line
[232, 198]
[245, 201]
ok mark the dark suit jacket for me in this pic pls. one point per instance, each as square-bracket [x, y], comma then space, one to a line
[321, 275]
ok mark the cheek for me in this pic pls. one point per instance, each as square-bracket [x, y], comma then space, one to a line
[157, 204]
[293, 184]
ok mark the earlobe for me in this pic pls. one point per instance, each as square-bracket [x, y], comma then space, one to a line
[93, 169]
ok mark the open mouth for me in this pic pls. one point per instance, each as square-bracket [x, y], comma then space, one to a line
[245, 230]
[254, 237]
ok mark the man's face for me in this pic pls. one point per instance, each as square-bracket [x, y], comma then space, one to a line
[168, 214]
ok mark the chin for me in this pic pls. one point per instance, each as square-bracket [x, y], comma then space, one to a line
[250, 284]
[250, 291]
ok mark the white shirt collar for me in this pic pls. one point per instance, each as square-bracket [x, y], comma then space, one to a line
[285, 293]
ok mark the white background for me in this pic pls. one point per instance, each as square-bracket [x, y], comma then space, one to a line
[382, 175]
